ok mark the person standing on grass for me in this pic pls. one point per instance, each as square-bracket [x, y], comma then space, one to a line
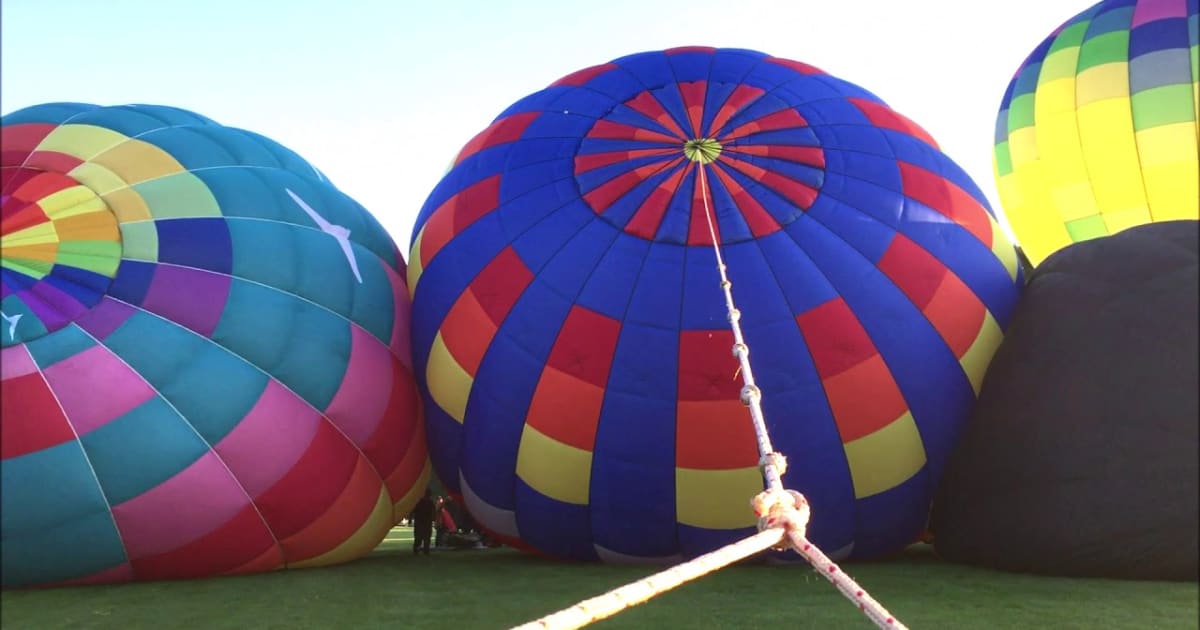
[422, 520]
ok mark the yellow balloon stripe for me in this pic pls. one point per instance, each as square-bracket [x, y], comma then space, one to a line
[70, 202]
[32, 235]
[716, 499]
[1170, 158]
[1079, 154]
[362, 541]
[886, 458]
[127, 205]
[1110, 152]
[81, 141]
[557, 470]
[449, 384]
[976, 359]
[98, 178]
[414, 264]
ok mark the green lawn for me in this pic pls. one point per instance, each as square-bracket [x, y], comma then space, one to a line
[500, 588]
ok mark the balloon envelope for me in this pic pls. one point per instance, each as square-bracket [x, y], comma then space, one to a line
[1082, 456]
[1097, 131]
[570, 333]
[205, 354]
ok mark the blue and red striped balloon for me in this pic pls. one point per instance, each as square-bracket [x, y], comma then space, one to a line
[570, 334]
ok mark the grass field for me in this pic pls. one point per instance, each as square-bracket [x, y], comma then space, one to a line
[500, 588]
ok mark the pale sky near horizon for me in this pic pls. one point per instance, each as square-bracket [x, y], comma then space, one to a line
[381, 94]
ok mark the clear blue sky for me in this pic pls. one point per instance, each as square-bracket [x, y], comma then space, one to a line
[380, 94]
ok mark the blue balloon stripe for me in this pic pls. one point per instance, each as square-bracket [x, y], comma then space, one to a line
[558, 529]
[806, 199]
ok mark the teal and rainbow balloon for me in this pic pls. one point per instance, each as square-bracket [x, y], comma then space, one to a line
[1097, 131]
[206, 364]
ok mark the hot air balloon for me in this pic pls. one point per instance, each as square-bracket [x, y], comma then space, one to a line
[206, 364]
[1082, 456]
[570, 334]
[1097, 131]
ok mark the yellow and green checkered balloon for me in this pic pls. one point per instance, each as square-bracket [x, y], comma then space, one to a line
[1097, 131]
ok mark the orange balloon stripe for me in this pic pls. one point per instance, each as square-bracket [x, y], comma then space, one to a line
[467, 332]
[92, 226]
[692, 93]
[914, 271]
[473, 320]
[566, 408]
[649, 215]
[603, 196]
[797, 192]
[741, 96]
[610, 130]
[43, 252]
[857, 413]
[760, 221]
[648, 106]
[782, 119]
[347, 513]
[809, 156]
[701, 215]
[957, 314]
[457, 213]
[592, 161]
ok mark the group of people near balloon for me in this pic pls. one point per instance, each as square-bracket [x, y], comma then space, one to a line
[432, 521]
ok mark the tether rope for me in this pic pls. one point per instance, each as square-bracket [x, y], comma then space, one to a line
[782, 514]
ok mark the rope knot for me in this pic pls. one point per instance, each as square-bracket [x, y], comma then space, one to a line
[782, 508]
[773, 459]
[750, 395]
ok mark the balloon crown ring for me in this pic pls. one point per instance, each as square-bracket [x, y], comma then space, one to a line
[703, 150]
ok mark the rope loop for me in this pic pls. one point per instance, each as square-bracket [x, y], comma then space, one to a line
[778, 460]
[750, 394]
[787, 509]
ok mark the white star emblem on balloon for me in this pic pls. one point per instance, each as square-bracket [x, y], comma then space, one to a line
[12, 324]
[341, 233]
